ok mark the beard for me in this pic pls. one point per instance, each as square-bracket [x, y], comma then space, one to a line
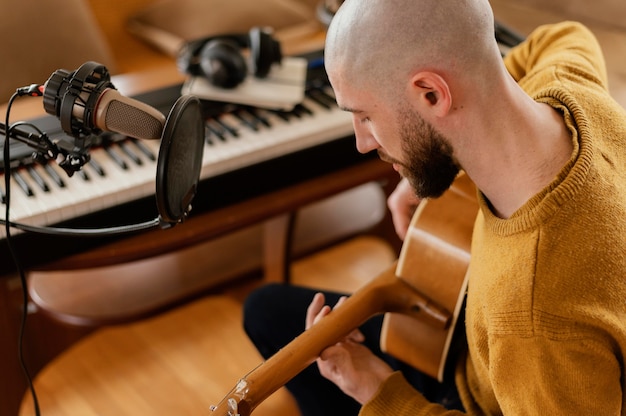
[430, 166]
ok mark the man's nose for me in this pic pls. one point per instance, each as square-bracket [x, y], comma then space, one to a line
[365, 140]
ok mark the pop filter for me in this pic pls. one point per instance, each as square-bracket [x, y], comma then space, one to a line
[180, 159]
[177, 174]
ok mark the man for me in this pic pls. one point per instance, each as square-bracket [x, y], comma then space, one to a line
[545, 145]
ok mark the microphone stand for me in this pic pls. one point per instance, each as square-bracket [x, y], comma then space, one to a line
[44, 149]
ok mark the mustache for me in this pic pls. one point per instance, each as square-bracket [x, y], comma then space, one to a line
[386, 158]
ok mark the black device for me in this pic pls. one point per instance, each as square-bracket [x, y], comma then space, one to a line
[221, 61]
[86, 102]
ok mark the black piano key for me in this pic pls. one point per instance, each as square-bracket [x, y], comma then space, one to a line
[97, 167]
[230, 129]
[144, 149]
[19, 179]
[38, 179]
[296, 112]
[207, 135]
[301, 109]
[216, 129]
[246, 119]
[322, 99]
[329, 95]
[285, 115]
[83, 175]
[56, 178]
[116, 158]
[254, 112]
[130, 153]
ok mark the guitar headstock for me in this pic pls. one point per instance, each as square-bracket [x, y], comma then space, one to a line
[234, 403]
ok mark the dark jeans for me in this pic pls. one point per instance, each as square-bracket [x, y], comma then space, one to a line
[275, 314]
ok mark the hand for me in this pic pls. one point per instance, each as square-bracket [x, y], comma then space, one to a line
[402, 203]
[349, 364]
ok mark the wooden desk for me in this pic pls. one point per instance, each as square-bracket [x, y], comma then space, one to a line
[45, 337]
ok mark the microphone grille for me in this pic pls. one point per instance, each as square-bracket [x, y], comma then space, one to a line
[124, 118]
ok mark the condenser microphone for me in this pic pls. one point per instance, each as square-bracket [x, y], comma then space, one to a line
[86, 102]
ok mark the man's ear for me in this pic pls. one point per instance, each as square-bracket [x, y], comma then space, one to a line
[431, 93]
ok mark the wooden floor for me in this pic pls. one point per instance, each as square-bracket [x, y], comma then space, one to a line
[182, 362]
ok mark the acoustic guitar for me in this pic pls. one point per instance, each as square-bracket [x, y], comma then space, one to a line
[421, 297]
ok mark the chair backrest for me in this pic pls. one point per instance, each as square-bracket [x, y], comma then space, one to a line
[39, 37]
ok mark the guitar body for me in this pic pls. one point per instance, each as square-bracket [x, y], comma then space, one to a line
[434, 261]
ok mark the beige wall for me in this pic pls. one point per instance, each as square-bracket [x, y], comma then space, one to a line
[597, 12]
[606, 18]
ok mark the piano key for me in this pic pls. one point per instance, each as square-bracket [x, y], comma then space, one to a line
[217, 129]
[57, 204]
[124, 146]
[259, 116]
[97, 167]
[144, 149]
[116, 157]
[22, 183]
[321, 99]
[37, 178]
[229, 128]
[83, 195]
[284, 115]
[21, 203]
[245, 118]
[54, 203]
[124, 180]
[83, 174]
[302, 109]
[54, 175]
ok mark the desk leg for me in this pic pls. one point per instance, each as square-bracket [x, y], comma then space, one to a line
[277, 247]
[278, 234]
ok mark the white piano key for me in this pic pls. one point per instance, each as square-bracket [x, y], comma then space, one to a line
[18, 206]
[51, 200]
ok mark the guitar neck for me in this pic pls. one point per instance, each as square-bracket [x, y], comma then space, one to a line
[386, 292]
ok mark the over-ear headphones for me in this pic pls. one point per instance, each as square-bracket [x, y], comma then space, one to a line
[219, 58]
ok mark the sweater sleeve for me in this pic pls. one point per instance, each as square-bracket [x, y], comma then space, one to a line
[566, 43]
[547, 375]
[397, 397]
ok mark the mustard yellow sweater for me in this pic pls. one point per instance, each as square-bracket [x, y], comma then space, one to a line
[546, 305]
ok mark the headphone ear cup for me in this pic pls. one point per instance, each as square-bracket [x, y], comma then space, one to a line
[264, 51]
[222, 63]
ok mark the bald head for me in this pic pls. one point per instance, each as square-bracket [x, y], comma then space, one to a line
[378, 43]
